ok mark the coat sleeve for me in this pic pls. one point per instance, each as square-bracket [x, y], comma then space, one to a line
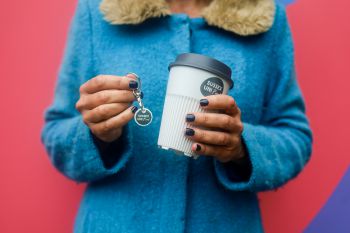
[280, 145]
[68, 141]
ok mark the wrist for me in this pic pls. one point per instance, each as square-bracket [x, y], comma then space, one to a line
[108, 150]
[240, 167]
[241, 155]
[108, 138]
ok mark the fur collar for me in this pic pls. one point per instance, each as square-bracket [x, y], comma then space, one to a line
[243, 17]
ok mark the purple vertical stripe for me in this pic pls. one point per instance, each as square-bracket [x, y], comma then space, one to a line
[334, 216]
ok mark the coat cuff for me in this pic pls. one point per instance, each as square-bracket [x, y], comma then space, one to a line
[242, 178]
[104, 160]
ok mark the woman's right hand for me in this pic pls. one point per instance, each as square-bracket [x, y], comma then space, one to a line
[105, 104]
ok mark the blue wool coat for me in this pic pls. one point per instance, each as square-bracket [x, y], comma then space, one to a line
[154, 190]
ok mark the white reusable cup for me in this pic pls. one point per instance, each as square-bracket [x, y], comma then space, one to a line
[191, 77]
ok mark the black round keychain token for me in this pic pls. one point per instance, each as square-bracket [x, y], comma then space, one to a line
[143, 116]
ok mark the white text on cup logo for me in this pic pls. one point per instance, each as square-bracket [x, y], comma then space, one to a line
[212, 86]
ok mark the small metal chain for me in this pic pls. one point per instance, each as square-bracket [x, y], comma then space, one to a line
[137, 93]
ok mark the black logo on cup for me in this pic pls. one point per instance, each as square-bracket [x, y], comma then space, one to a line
[212, 86]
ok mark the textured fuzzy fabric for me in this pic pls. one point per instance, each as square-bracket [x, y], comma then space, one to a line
[133, 11]
[154, 190]
[243, 17]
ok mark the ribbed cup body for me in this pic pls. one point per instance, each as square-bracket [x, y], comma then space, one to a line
[171, 135]
[182, 97]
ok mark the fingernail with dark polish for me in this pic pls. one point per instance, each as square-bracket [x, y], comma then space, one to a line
[203, 102]
[134, 109]
[190, 117]
[133, 84]
[198, 147]
[189, 132]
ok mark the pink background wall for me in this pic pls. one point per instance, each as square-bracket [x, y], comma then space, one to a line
[34, 197]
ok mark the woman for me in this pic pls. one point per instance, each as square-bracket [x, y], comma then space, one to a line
[261, 141]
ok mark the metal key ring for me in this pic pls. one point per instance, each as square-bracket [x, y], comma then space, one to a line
[137, 92]
[143, 116]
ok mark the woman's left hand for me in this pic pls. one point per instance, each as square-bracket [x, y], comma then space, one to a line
[223, 137]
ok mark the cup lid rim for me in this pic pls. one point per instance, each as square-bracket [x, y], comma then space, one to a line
[205, 63]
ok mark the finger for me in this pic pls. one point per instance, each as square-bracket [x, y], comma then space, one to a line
[105, 97]
[218, 152]
[115, 122]
[210, 137]
[214, 120]
[109, 82]
[219, 102]
[104, 112]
